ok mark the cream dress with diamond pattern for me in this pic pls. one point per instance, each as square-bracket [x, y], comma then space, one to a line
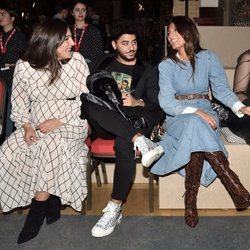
[57, 162]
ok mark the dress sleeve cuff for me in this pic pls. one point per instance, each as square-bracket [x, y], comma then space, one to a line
[189, 110]
[236, 108]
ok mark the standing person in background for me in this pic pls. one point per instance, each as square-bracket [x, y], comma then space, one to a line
[97, 21]
[12, 42]
[241, 126]
[192, 141]
[43, 162]
[86, 37]
[140, 101]
[61, 10]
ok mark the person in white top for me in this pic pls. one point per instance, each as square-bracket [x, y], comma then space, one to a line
[43, 162]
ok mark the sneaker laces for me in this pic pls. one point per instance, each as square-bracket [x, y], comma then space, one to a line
[109, 212]
[143, 144]
[103, 221]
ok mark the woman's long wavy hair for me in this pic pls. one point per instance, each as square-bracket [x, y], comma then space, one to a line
[188, 30]
[41, 52]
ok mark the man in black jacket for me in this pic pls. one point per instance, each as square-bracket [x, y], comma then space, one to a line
[140, 104]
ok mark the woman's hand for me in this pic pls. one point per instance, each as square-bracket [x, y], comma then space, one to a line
[207, 118]
[245, 110]
[49, 125]
[30, 136]
[129, 100]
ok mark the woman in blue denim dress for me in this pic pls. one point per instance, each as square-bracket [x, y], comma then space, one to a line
[192, 142]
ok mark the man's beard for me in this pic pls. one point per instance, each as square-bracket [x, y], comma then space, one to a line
[126, 58]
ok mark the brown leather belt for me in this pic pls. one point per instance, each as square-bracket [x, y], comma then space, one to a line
[191, 97]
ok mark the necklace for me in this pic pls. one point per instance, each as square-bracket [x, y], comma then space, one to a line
[3, 46]
[77, 45]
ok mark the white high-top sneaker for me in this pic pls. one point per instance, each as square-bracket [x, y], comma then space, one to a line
[106, 224]
[150, 151]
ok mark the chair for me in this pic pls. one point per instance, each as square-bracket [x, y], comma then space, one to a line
[101, 150]
[3, 98]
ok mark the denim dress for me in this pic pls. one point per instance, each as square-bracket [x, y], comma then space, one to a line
[187, 132]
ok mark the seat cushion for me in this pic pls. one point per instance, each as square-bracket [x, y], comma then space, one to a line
[100, 146]
[231, 137]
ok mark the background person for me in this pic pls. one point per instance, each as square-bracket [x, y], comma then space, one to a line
[61, 10]
[241, 126]
[44, 161]
[86, 37]
[12, 43]
[98, 22]
[192, 141]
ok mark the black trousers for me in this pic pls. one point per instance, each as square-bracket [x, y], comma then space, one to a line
[240, 126]
[109, 124]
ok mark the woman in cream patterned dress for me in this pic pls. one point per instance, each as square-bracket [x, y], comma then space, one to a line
[44, 161]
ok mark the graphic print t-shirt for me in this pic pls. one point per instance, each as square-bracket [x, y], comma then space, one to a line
[122, 74]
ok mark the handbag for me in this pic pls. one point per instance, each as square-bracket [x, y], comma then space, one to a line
[104, 91]
[158, 132]
[222, 113]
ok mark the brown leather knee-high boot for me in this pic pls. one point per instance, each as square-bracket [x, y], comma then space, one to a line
[229, 179]
[192, 183]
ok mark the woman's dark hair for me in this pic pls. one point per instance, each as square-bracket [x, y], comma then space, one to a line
[71, 19]
[188, 30]
[41, 52]
[75, 2]
[10, 8]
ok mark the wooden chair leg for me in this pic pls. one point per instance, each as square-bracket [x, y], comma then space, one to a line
[157, 180]
[104, 173]
[151, 192]
[83, 210]
[98, 178]
[89, 183]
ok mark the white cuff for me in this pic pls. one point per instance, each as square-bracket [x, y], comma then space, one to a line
[189, 110]
[236, 107]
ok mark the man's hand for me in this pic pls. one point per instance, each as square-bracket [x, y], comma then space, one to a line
[49, 125]
[207, 118]
[129, 100]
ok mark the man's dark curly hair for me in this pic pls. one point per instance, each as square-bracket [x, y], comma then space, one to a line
[124, 26]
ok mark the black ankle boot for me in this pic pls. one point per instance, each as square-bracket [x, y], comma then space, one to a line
[53, 211]
[33, 221]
